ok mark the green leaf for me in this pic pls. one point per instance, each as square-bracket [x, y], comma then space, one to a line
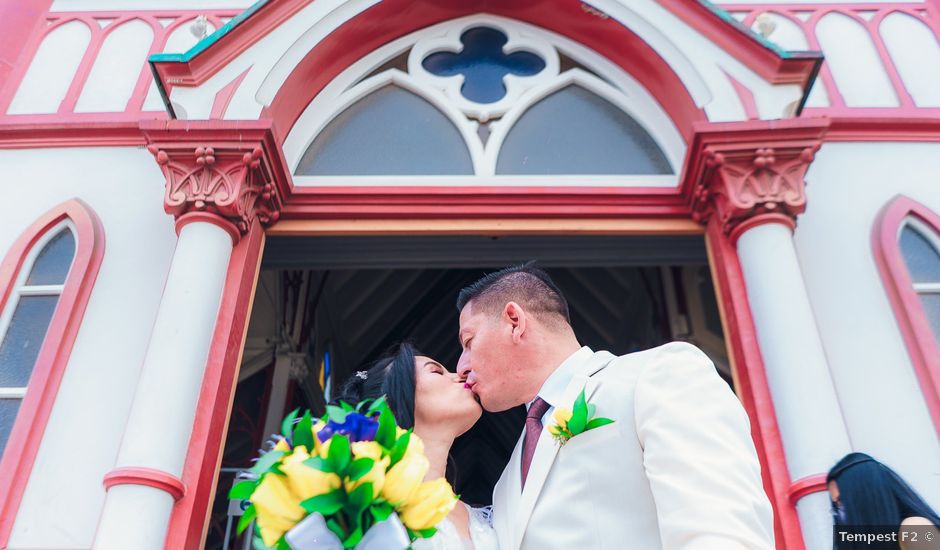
[376, 406]
[242, 490]
[346, 407]
[591, 410]
[327, 504]
[303, 432]
[287, 427]
[336, 414]
[246, 519]
[385, 436]
[318, 463]
[353, 539]
[336, 528]
[283, 545]
[427, 533]
[266, 462]
[398, 449]
[360, 499]
[359, 468]
[339, 454]
[597, 423]
[382, 511]
[579, 414]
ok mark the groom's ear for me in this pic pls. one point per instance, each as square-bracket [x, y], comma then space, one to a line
[516, 317]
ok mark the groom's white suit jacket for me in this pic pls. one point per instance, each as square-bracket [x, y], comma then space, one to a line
[676, 470]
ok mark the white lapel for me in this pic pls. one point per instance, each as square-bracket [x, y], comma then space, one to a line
[547, 448]
[506, 496]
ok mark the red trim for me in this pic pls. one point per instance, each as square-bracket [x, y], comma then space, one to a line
[752, 386]
[43, 131]
[760, 219]
[807, 486]
[148, 477]
[483, 202]
[207, 217]
[188, 520]
[746, 96]
[23, 445]
[912, 321]
[393, 19]
[224, 96]
[20, 21]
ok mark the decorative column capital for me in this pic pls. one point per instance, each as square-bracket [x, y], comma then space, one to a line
[227, 173]
[745, 174]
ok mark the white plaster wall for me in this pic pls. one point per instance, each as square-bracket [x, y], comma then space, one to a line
[856, 67]
[881, 398]
[916, 54]
[122, 57]
[51, 70]
[125, 188]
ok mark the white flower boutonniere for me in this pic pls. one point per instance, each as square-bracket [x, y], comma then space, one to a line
[580, 418]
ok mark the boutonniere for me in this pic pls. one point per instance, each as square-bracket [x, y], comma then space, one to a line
[580, 418]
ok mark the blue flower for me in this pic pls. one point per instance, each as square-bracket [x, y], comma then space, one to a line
[356, 426]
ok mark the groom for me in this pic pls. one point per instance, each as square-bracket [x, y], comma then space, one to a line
[676, 469]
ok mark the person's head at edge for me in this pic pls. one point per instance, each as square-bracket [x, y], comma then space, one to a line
[515, 329]
[865, 492]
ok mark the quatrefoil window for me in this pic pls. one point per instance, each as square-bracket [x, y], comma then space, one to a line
[483, 64]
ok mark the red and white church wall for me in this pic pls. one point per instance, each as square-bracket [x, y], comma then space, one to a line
[85, 64]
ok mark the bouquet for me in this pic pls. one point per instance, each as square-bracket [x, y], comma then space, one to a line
[352, 479]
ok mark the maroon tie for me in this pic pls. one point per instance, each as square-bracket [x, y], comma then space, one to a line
[533, 429]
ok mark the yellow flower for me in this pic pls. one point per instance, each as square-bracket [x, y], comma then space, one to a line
[562, 415]
[277, 508]
[429, 505]
[415, 445]
[369, 449]
[304, 481]
[282, 445]
[404, 478]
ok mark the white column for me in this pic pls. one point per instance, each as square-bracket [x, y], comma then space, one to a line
[807, 407]
[161, 420]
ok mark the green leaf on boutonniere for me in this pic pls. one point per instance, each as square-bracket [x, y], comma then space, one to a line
[579, 415]
[597, 423]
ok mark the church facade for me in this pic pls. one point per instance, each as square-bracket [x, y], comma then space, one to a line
[166, 164]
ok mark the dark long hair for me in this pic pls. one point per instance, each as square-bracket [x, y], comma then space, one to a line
[874, 494]
[392, 375]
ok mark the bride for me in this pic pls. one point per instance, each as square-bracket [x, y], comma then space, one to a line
[439, 406]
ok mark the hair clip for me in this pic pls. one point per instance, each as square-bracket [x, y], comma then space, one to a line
[362, 374]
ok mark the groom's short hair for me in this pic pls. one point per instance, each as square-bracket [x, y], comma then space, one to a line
[526, 284]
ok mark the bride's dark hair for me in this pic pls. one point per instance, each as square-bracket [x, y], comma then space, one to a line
[392, 375]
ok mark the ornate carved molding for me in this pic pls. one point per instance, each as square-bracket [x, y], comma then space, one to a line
[213, 169]
[746, 173]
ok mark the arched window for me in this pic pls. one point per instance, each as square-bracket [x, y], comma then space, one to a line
[907, 250]
[485, 96]
[26, 316]
[45, 282]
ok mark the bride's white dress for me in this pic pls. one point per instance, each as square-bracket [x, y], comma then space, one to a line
[482, 535]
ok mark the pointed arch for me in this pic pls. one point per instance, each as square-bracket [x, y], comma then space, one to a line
[923, 344]
[53, 353]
